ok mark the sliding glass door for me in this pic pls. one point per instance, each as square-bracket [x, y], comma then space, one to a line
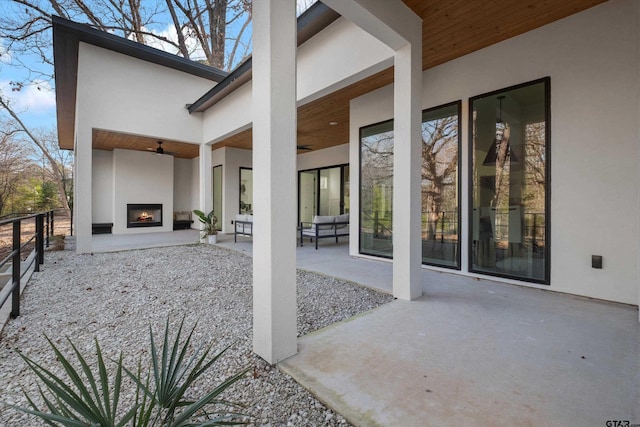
[323, 192]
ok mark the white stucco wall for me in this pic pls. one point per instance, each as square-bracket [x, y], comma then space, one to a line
[352, 54]
[183, 177]
[118, 94]
[593, 61]
[115, 92]
[195, 184]
[102, 186]
[140, 177]
[333, 156]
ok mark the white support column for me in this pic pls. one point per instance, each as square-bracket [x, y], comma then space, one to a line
[638, 160]
[407, 155]
[274, 179]
[395, 24]
[206, 185]
[82, 202]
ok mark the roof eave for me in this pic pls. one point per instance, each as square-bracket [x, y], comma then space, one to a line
[67, 35]
[310, 23]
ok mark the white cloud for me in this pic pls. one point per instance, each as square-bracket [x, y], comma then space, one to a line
[37, 97]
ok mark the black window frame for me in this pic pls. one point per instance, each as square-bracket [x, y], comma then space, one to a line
[458, 266]
[547, 199]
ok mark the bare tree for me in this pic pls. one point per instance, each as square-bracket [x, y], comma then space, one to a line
[13, 164]
[45, 145]
[212, 31]
[439, 166]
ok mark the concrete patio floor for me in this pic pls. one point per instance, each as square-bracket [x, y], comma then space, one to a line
[469, 352]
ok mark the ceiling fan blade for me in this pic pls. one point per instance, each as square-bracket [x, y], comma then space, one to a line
[304, 147]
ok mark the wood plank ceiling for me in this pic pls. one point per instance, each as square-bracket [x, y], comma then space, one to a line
[451, 29]
[108, 140]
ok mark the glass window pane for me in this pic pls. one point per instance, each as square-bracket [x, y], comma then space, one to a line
[246, 191]
[346, 189]
[440, 146]
[510, 183]
[330, 191]
[376, 189]
[308, 196]
[217, 194]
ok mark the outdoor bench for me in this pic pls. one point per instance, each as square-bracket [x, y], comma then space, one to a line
[101, 227]
[243, 226]
[325, 226]
[182, 220]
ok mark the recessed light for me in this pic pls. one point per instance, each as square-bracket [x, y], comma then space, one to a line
[333, 123]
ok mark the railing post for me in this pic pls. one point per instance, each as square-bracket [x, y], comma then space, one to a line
[47, 228]
[15, 276]
[39, 241]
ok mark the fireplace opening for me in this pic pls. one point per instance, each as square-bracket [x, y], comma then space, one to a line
[144, 215]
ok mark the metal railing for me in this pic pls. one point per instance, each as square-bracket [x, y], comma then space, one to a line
[44, 223]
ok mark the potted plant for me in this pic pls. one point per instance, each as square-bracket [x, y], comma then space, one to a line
[210, 230]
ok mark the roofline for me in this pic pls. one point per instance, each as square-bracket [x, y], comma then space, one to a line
[310, 23]
[85, 33]
[67, 36]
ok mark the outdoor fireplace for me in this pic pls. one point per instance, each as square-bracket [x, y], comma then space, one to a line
[144, 215]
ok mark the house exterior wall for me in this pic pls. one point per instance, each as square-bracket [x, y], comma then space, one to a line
[114, 92]
[102, 186]
[195, 186]
[337, 155]
[592, 59]
[118, 94]
[350, 61]
[182, 185]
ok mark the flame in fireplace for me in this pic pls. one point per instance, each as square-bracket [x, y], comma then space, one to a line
[144, 216]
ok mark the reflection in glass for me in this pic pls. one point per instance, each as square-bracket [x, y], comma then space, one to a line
[440, 142]
[509, 180]
[308, 196]
[246, 191]
[330, 191]
[376, 189]
[217, 194]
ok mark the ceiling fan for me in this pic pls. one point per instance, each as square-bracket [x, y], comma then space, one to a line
[304, 147]
[160, 150]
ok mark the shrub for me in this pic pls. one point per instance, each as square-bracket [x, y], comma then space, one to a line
[85, 397]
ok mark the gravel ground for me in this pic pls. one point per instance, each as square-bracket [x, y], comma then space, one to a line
[116, 297]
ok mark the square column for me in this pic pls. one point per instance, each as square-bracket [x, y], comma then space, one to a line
[82, 197]
[274, 179]
[396, 25]
[206, 185]
[407, 158]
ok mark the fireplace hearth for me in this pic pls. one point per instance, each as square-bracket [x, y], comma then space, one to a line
[144, 215]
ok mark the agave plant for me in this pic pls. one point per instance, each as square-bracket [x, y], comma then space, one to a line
[86, 398]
